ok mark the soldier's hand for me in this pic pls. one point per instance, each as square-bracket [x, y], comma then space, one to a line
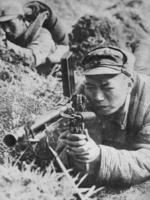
[82, 148]
[58, 54]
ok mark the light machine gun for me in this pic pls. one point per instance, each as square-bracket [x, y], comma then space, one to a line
[74, 110]
[34, 132]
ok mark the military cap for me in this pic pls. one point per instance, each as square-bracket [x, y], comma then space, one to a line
[10, 10]
[108, 60]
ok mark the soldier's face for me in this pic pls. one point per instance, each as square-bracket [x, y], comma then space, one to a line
[14, 28]
[106, 94]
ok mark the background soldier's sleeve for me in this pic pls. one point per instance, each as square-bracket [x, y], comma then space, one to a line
[24, 53]
[37, 50]
[42, 46]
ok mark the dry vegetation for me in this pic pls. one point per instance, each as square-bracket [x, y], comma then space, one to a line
[33, 185]
[24, 94]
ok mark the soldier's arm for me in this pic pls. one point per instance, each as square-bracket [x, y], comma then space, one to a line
[24, 53]
[42, 46]
[58, 53]
[123, 167]
[115, 166]
[36, 52]
[127, 166]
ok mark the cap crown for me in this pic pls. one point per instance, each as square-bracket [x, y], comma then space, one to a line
[107, 60]
[10, 10]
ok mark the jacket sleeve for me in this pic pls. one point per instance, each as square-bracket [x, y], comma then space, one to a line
[42, 46]
[37, 50]
[128, 166]
[123, 166]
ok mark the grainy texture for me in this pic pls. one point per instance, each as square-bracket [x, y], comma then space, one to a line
[19, 102]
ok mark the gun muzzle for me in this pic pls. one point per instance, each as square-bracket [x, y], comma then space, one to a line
[11, 139]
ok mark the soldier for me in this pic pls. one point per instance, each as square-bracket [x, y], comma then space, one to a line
[117, 151]
[28, 40]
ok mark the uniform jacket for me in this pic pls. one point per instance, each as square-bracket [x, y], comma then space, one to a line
[124, 140]
[142, 55]
[35, 46]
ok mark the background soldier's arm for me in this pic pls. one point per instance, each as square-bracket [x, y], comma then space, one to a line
[36, 51]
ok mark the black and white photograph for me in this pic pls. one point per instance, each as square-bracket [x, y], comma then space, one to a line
[74, 100]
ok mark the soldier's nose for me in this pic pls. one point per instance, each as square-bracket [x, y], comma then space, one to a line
[99, 95]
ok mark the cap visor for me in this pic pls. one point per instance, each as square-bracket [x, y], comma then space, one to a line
[7, 18]
[101, 70]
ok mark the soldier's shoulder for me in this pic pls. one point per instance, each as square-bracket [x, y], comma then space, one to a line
[142, 87]
[142, 78]
[44, 31]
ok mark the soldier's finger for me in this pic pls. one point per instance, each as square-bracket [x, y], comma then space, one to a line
[64, 135]
[76, 137]
[76, 143]
[82, 159]
[79, 150]
[74, 153]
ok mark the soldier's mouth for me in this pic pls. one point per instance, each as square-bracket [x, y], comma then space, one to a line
[101, 106]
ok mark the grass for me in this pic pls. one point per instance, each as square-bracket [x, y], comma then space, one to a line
[139, 192]
[27, 184]
[31, 184]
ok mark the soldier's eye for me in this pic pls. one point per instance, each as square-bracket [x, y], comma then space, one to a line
[106, 86]
[90, 86]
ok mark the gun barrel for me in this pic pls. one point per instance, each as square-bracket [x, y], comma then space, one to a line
[47, 119]
[11, 139]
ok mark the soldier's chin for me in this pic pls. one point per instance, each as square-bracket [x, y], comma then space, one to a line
[105, 111]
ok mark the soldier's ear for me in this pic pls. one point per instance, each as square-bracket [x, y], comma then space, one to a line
[130, 84]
